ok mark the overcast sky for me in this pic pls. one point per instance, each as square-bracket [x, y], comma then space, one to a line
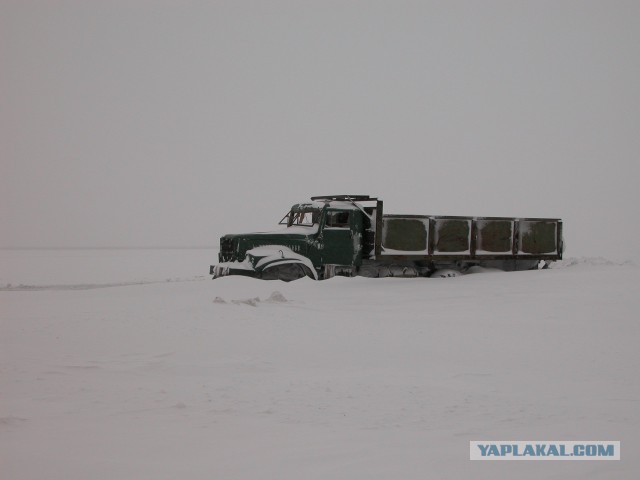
[169, 123]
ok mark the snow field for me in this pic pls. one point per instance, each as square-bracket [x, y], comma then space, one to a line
[346, 378]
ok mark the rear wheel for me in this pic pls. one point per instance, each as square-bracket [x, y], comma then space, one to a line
[368, 271]
[445, 273]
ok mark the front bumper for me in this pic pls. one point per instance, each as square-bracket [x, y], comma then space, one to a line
[224, 270]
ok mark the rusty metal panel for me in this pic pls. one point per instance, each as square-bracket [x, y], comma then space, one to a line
[537, 236]
[494, 236]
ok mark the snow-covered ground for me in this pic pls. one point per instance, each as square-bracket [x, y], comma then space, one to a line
[133, 364]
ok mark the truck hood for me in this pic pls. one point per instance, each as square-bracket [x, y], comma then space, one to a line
[233, 247]
[300, 233]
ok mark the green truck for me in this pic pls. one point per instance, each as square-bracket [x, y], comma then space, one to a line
[349, 235]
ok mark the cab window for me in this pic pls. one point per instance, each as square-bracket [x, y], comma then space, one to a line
[338, 219]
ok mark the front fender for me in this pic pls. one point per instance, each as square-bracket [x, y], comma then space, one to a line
[261, 259]
[282, 257]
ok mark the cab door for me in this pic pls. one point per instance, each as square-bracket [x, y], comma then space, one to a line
[342, 237]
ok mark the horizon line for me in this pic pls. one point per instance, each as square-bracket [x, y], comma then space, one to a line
[120, 247]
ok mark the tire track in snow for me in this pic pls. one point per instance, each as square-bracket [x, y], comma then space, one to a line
[91, 286]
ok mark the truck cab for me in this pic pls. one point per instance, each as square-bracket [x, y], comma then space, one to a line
[327, 236]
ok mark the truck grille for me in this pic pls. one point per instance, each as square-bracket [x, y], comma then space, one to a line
[226, 249]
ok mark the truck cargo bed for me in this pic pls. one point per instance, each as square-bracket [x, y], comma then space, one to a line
[425, 236]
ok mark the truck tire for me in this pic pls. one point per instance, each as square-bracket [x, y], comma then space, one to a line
[445, 273]
[369, 271]
[287, 272]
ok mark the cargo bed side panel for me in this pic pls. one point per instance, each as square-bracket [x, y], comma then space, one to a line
[537, 237]
[405, 235]
[452, 236]
[494, 236]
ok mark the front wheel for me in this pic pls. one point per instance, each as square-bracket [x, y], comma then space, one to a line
[286, 272]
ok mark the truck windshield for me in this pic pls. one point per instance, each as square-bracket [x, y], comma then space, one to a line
[302, 217]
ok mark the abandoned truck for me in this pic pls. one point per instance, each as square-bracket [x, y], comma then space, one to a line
[349, 235]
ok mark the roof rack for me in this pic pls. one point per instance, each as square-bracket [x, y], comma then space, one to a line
[346, 198]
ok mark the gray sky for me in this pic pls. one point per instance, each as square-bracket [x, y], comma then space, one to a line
[153, 123]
